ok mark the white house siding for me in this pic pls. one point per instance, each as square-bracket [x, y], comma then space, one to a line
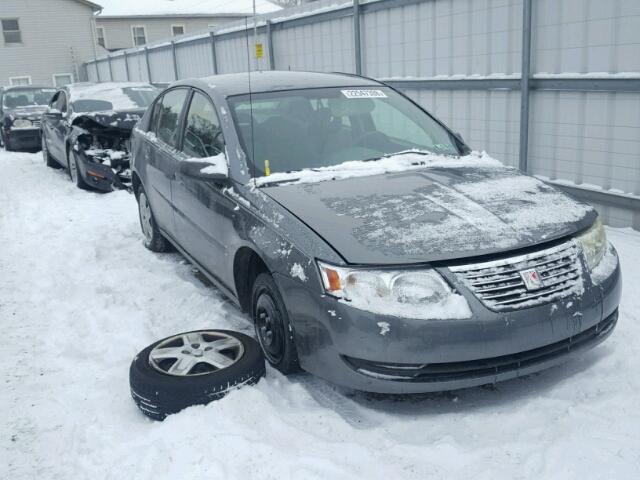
[57, 38]
[118, 33]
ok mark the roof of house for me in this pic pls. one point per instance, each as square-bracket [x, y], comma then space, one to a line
[93, 5]
[182, 8]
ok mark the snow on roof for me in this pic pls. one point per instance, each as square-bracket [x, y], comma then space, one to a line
[148, 8]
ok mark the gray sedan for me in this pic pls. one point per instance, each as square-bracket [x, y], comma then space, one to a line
[367, 242]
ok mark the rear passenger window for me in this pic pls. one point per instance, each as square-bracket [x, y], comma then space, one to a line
[203, 134]
[168, 116]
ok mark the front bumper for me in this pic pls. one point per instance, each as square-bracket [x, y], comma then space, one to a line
[101, 177]
[24, 139]
[348, 346]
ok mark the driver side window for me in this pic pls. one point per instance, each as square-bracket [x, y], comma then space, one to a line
[203, 133]
[59, 102]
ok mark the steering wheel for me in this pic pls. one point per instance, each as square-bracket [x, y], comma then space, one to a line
[375, 135]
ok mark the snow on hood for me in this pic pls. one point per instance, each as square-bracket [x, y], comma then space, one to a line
[436, 213]
[400, 162]
[26, 111]
[109, 92]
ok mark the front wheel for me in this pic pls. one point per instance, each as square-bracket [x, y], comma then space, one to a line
[272, 325]
[48, 159]
[153, 239]
[74, 172]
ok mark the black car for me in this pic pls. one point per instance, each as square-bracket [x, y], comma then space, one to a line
[370, 246]
[21, 109]
[87, 127]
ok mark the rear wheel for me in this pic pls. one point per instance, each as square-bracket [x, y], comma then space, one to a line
[272, 325]
[153, 239]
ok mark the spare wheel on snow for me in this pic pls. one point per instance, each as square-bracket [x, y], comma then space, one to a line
[193, 368]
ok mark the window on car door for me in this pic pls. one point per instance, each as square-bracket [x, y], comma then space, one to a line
[168, 116]
[203, 133]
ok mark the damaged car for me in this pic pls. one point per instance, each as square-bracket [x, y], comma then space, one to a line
[87, 128]
[366, 241]
[21, 109]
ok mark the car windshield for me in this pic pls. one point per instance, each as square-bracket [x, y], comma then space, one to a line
[27, 97]
[101, 98]
[298, 129]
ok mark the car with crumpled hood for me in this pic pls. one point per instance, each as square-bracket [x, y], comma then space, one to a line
[366, 241]
[87, 127]
[21, 109]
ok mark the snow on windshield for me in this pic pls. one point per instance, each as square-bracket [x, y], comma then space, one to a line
[404, 161]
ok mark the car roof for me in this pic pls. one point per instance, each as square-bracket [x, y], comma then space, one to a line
[26, 87]
[274, 81]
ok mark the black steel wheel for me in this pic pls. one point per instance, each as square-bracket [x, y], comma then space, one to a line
[272, 325]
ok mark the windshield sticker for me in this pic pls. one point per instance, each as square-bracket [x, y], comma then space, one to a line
[364, 94]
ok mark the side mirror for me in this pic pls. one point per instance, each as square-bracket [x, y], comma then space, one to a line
[204, 171]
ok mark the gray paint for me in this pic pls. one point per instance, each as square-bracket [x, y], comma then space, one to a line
[211, 221]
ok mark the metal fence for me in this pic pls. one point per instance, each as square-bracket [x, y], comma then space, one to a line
[551, 86]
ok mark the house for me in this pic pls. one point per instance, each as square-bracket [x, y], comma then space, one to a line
[45, 42]
[128, 23]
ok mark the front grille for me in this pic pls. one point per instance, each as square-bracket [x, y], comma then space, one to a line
[499, 285]
[470, 369]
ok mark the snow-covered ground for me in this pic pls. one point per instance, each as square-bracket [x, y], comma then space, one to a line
[80, 296]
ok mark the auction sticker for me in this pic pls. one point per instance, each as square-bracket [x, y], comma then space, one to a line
[364, 93]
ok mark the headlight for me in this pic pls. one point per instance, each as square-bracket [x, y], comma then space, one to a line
[22, 123]
[594, 244]
[412, 294]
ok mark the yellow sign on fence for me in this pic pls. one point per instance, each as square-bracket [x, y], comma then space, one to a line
[259, 50]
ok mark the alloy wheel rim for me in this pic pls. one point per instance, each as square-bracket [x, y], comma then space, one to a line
[196, 353]
[145, 217]
[269, 328]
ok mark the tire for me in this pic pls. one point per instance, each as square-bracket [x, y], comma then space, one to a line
[153, 239]
[74, 172]
[7, 144]
[273, 328]
[158, 393]
[48, 159]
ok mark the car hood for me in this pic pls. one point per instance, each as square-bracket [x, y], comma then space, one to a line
[433, 214]
[116, 122]
[30, 112]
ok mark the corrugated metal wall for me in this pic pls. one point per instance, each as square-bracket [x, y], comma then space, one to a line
[440, 51]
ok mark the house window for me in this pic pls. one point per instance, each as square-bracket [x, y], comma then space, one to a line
[62, 79]
[11, 31]
[15, 81]
[100, 36]
[177, 30]
[139, 35]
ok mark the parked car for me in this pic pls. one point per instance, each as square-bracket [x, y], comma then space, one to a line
[87, 129]
[369, 245]
[21, 109]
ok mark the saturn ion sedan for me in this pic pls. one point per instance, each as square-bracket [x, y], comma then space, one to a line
[369, 245]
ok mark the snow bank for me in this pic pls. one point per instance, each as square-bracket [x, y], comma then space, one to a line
[410, 160]
[80, 296]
